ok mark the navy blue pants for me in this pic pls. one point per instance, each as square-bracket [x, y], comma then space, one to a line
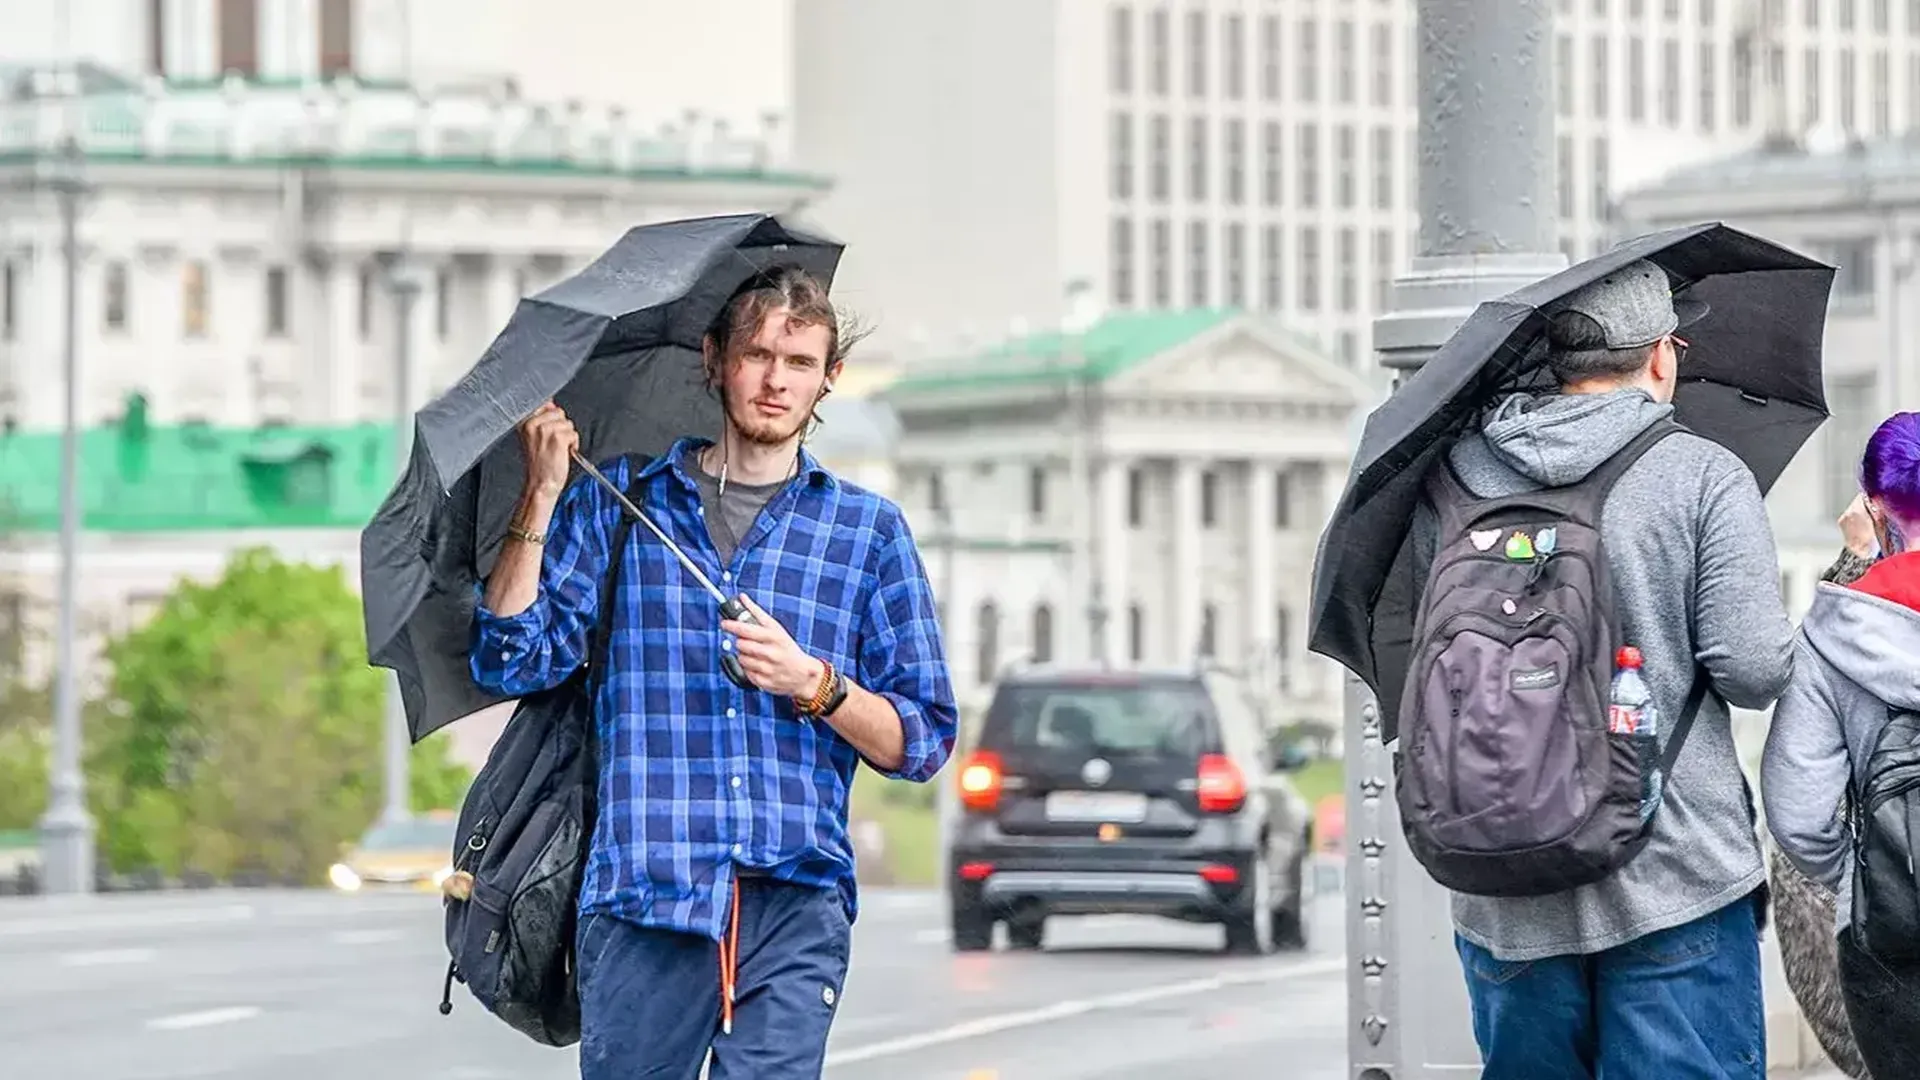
[650, 1000]
[1678, 1004]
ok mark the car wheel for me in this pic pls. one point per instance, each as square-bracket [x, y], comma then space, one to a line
[1290, 919]
[1250, 926]
[1027, 933]
[972, 927]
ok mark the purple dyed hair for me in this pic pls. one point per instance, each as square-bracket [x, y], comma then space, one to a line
[1890, 469]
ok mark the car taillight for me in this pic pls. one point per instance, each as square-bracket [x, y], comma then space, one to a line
[1222, 789]
[980, 781]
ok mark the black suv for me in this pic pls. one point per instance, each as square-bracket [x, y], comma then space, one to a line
[1126, 791]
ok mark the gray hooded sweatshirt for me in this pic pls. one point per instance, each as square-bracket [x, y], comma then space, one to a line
[1698, 582]
[1857, 656]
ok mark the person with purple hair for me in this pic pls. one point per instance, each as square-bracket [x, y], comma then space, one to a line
[1856, 660]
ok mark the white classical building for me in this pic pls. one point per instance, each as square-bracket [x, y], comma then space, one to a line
[1145, 489]
[1253, 154]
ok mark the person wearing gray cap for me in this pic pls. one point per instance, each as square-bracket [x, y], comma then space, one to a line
[1654, 969]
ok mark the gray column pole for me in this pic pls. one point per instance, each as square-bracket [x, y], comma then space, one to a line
[399, 743]
[67, 829]
[1487, 227]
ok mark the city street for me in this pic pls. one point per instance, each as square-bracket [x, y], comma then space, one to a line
[305, 986]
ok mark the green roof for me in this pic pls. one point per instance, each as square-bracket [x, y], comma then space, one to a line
[1108, 348]
[195, 477]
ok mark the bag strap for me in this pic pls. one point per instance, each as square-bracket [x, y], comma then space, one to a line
[1696, 697]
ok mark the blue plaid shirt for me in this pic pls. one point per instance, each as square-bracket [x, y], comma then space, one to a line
[699, 778]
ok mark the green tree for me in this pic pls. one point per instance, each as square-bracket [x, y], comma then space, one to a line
[242, 728]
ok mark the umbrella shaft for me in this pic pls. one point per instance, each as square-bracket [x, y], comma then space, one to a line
[640, 516]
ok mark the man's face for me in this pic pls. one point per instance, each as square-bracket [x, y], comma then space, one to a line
[773, 379]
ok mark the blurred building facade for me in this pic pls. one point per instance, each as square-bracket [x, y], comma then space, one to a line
[1247, 154]
[1144, 488]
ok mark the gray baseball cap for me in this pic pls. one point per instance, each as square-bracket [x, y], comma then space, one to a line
[1634, 306]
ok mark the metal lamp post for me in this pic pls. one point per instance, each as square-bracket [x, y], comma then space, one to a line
[67, 829]
[1487, 227]
[405, 283]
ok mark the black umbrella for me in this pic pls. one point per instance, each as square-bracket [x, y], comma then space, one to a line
[618, 347]
[1751, 381]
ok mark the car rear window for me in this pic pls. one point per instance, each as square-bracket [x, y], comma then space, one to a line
[1153, 719]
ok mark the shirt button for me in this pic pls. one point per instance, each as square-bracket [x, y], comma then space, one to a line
[736, 781]
[726, 645]
[736, 849]
[729, 714]
[726, 575]
[505, 656]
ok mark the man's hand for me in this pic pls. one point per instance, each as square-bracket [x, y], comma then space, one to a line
[773, 661]
[1857, 528]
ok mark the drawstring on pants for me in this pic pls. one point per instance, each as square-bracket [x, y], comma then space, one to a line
[730, 961]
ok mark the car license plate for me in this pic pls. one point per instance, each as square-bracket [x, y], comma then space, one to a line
[1096, 806]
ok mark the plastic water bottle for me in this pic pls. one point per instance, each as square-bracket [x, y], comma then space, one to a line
[1632, 712]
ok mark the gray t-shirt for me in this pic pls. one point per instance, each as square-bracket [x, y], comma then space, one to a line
[729, 518]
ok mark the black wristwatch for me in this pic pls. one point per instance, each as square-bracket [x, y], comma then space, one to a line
[837, 696]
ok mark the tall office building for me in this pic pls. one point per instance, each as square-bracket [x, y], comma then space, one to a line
[1255, 153]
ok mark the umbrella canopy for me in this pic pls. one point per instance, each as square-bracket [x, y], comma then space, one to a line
[618, 347]
[1751, 381]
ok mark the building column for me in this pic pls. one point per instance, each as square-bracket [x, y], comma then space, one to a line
[1113, 591]
[340, 368]
[1183, 591]
[296, 25]
[1262, 604]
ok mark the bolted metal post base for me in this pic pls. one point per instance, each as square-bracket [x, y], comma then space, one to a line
[67, 850]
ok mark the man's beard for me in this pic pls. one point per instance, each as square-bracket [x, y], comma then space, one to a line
[765, 431]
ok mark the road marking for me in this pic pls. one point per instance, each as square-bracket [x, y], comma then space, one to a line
[993, 1025]
[105, 920]
[208, 1018]
[99, 957]
[365, 937]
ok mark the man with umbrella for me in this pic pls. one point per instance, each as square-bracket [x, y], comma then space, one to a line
[719, 895]
[1643, 958]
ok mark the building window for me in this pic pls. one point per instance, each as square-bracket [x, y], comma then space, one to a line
[1346, 254]
[1882, 94]
[336, 37]
[1309, 252]
[1270, 57]
[987, 641]
[1853, 402]
[1236, 161]
[113, 290]
[1159, 31]
[1882, 15]
[365, 313]
[1383, 269]
[1198, 287]
[1670, 83]
[1136, 633]
[1270, 163]
[1307, 151]
[1283, 646]
[1345, 181]
[9, 299]
[1159, 158]
[1849, 93]
[239, 37]
[1563, 185]
[1197, 158]
[1234, 45]
[1382, 65]
[1209, 643]
[1600, 170]
[1122, 256]
[1209, 499]
[1742, 83]
[1121, 136]
[442, 303]
[1282, 500]
[194, 299]
[157, 37]
[1196, 54]
[1600, 86]
[1042, 634]
[1162, 263]
[1563, 75]
[1810, 87]
[276, 301]
[1236, 265]
[1853, 280]
[1848, 12]
[1344, 63]
[1037, 492]
[1636, 79]
[1307, 71]
[1136, 497]
[1271, 298]
[1382, 139]
[936, 491]
[1120, 49]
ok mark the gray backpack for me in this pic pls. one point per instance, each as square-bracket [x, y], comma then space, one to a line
[1509, 781]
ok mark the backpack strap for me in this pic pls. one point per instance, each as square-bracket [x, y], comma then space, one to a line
[1696, 697]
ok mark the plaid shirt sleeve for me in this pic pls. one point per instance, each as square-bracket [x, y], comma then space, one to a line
[903, 659]
[537, 649]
